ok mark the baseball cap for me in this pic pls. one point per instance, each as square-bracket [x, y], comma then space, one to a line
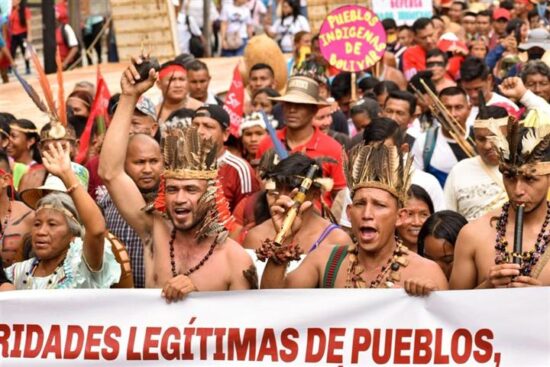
[501, 13]
[214, 111]
[146, 106]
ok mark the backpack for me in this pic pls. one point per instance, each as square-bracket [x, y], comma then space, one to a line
[196, 46]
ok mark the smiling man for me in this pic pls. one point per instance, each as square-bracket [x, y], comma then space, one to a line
[483, 250]
[377, 259]
[474, 185]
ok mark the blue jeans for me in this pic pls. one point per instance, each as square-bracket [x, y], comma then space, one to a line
[237, 52]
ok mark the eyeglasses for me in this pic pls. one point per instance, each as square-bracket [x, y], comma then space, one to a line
[434, 64]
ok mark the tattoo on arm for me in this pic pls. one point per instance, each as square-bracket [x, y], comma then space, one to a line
[251, 275]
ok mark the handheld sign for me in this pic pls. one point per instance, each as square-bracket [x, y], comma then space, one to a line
[352, 38]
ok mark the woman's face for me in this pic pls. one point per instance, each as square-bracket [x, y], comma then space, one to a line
[479, 50]
[417, 213]
[262, 103]
[440, 251]
[19, 144]
[251, 139]
[51, 235]
[78, 106]
[287, 9]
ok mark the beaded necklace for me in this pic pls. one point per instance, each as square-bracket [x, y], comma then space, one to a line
[390, 271]
[193, 269]
[529, 258]
[5, 223]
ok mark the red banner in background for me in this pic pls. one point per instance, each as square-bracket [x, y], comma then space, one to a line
[98, 116]
[234, 102]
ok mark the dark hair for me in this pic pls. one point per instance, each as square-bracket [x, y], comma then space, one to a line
[176, 62]
[368, 106]
[532, 14]
[113, 103]
[473, 68]
[389, 23]
[269, 91]
[182, 113]
[486, 13]
[418, 192]
[437, 52]
[261, 66]
[513, 24]
[27, 124]
[488, 112]
[341, 85]
[424, 75]
[196, 65]
[295, 5]
[286, 172]
[445, 224]
[21, 11]
[5, 120]
[507, 4]
[368, 83]
[84, 96]
[461, 3]
[405, 27]
[385, 86]
[535, 67]
[403, 96]
[380, 129]
[421, 24]
[452, 91]
[261, 208]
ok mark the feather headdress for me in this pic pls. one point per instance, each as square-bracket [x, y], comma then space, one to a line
[189, 157]
[524, 150]
[57, 115]
[378, 166]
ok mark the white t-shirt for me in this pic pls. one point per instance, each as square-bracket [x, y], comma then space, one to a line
[258, 9]
[71, 36]
[237, 18]
[286, 30]
[471, 191]
[443, 158]
[496, 98]
[184, 32]
[195, 8]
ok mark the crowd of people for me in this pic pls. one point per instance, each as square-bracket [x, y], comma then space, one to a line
[410, 179]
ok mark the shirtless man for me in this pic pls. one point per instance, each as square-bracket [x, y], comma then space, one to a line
[478, 263]
[315, 231]
[16, 220]
[377, 259]
[178, 255]
[178, 95]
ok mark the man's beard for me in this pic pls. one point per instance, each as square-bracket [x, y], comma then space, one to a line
[193, 227]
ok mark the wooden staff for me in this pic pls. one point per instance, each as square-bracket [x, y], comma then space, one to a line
[298, 200]
[353, 87]
[518, 235]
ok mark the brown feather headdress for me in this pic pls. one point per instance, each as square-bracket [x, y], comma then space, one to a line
[524, 150]
[378, 166]
[189, 157]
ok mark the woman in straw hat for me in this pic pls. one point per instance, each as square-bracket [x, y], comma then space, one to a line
[67, 235]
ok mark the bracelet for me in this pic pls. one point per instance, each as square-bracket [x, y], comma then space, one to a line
[73, 187]
[279, 254]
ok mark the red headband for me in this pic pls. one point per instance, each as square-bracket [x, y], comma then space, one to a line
[169, 70]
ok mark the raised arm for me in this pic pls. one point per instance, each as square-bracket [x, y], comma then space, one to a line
[58, 162]
[121, 187]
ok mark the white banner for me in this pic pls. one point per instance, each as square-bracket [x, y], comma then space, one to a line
[275, 328]
[403, 11]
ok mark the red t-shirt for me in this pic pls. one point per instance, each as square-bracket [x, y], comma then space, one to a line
[414, 60]
[237, 178]
[320, 145]
[15, 26]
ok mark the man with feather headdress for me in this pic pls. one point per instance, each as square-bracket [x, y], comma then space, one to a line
[379, 180]
[484, 248]
[185, 233]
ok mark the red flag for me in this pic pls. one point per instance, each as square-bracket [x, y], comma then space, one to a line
[234, 102]
[98, 115]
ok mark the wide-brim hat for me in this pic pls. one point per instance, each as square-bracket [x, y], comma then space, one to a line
[302, 90]
[53, 184]
[538, 37]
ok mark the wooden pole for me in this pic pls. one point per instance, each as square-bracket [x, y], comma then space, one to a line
[353, 87]
[206, 28]
[48, 35]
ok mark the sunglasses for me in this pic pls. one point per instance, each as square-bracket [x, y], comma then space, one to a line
[434, 64]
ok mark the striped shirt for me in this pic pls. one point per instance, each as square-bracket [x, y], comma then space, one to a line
[237, 178]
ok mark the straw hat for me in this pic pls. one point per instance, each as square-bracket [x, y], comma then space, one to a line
[53, 183]
[303, 90]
